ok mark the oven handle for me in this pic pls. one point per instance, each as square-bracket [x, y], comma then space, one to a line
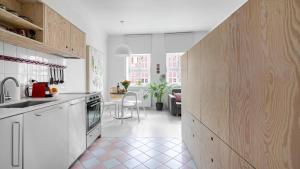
[94, 104]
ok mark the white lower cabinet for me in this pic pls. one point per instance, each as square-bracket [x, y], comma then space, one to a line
[11, 142]
[46, 138]
[77, 129]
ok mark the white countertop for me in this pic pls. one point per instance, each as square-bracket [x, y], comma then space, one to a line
[59, 99]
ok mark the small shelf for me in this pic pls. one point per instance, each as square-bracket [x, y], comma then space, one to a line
[16, 21]
[12, 36]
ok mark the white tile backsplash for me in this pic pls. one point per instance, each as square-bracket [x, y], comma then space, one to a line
[22, 71]
[1, 48]
[9, 50]
[1, 77]
[1, 61]
[22, 53]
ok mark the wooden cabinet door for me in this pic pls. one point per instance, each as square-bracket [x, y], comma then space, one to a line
[193, 89]
[11, 139]
[247, 87]
[264, 99]
[77, 129]
[46, 138]
[214, 82]
[192, 137]
[78, 42]
[184, 82]
[215, 154]
[57, 31]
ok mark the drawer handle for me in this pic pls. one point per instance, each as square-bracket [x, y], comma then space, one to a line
[212, 160]
[40, 114]
[16, 142]
[212, 138]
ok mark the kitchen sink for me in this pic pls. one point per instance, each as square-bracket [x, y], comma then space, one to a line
[25, 104]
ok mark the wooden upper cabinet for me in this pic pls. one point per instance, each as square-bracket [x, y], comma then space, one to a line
[63, 36]
[184, 67]
[214, 82]
[264, 90]
[57, 31]
[193, 90]
[78, 42]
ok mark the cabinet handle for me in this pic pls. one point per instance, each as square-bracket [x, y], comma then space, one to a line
[212, 160]
[67, 46]
[193, 135]
[212, 138]
[16, 141]
[72, 49]
[193, 121]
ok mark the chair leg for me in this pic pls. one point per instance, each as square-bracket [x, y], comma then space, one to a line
[110, 111]
[138, 112]
[116, 110]
[122, 118]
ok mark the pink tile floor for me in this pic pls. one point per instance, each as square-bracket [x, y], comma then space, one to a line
[138, 153]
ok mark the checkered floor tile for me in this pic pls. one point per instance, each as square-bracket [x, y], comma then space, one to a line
[136, 153]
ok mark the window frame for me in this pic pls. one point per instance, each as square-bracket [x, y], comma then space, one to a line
[172, 70]
[147, 68]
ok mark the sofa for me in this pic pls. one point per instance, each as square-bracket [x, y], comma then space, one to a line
[174, 102]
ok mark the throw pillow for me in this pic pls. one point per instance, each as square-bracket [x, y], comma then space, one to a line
[177, 97]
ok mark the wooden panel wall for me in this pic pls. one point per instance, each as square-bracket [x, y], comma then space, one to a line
[282, 85]
[247, 81]
[265, 84]
[250, 83]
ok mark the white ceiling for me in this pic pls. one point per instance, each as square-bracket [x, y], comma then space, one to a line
[154, 16]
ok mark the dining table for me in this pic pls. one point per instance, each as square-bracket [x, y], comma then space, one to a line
[117, 99]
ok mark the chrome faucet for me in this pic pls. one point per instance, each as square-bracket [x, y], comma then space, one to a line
[2, 95]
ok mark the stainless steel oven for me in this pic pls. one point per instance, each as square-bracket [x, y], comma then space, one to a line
[93, 103]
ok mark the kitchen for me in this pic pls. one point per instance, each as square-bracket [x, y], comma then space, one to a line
[149, 84]
[37, 121]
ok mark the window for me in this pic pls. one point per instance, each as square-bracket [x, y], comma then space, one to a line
[173, 68]
[138, 69]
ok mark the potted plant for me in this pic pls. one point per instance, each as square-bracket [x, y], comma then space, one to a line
[125, 84]
[157, 90]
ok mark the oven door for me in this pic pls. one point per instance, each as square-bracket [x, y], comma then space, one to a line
[93, 114]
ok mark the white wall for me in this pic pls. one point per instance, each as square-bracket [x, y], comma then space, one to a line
[156, 44]
[74, 11]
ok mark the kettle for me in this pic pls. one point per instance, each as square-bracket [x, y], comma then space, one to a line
[28, 91]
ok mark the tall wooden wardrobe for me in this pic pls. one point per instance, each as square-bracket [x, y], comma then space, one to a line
[241, 90]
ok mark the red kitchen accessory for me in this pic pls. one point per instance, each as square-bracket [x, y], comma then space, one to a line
[39, 89]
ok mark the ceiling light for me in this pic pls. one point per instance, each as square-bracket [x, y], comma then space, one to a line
[122, 50]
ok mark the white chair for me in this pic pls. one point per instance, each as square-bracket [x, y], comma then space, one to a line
[140, 100]
[129, 101]
[108, 104]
